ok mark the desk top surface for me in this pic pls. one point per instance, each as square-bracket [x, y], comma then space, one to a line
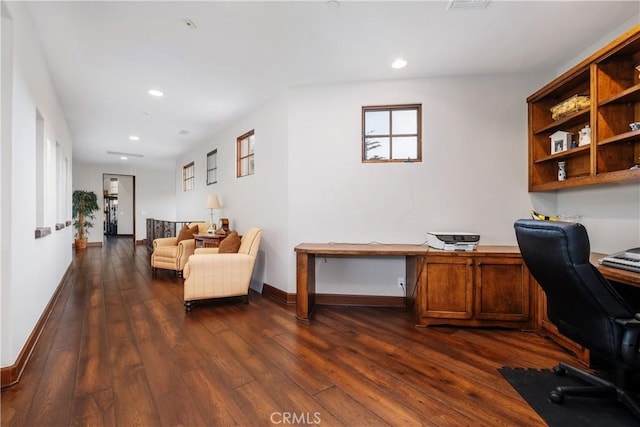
[380, 249]
[395, 249]
[617, 274]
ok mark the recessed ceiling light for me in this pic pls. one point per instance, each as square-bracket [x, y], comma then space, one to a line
[156, 92]
[399, 63]
[134, 137]
[123, 157]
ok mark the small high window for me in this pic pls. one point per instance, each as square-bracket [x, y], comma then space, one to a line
[392, 133]
[212, 167]
[245, 145]
[188, 177]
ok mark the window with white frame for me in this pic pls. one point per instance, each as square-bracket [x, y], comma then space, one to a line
[392, 133]
[212, 167]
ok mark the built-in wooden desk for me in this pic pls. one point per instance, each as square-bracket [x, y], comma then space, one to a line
[306, 262]
[486, 287]
[458, 288]
[616, 274]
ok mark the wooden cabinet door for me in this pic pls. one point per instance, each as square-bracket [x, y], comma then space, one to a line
[448, 291]
[502, 287]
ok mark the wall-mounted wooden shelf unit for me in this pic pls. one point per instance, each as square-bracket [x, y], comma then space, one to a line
[610, 78]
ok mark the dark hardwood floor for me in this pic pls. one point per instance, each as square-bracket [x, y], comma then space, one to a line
[119, 349]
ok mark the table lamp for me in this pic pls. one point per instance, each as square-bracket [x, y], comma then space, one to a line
[212, 203]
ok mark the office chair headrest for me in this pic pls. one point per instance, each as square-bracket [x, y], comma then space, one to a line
[573, 235]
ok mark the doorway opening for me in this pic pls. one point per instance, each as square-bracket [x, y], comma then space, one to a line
[119, 192]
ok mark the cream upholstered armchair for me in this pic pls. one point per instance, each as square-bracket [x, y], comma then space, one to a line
[210, 274]
[172, 253]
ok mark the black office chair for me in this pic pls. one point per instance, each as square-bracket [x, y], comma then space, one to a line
[585, 308]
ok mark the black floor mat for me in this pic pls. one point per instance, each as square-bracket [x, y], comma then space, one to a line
[534, 386]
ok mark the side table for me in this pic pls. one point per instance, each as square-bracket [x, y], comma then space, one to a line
[208, 240]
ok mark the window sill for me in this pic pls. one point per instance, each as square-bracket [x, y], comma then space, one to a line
[42, 231]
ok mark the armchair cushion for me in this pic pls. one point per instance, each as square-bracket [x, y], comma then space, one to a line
[164, 241]
[170, 252]
[187, 233]
[230, 244]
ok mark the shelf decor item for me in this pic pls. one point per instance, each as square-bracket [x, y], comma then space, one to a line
[584, 136]
[634, 126]
[562, 172]
[560, 141]
[568, 106]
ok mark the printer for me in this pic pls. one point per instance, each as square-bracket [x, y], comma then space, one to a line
[453, 241]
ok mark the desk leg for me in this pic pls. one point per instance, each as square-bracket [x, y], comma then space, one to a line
[305, 285]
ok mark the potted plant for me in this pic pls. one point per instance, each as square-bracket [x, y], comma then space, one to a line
[85, 203]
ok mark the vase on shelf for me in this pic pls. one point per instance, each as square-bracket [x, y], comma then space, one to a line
[562, 173]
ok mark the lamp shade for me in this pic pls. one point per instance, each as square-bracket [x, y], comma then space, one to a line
[213, 202]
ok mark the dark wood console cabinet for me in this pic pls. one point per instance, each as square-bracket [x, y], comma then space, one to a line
[487, 287]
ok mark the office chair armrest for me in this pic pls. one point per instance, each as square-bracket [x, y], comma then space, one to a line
[629, 323]
[630, 340]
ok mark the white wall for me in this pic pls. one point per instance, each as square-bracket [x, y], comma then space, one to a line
[611, 214]
[155, 194]
[258, 200]
[125, 207]
[6, 119]
[473, 176]
[27, 290]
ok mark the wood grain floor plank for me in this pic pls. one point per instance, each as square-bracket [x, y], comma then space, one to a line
[347, 409]
[56, 385]
[424, 391]
[273, 382]
[94, 373]
[94, 409]
[374, 399]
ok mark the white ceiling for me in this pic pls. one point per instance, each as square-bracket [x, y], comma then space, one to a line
[104, 56]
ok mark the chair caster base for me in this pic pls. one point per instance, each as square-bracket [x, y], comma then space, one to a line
[556, 397]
